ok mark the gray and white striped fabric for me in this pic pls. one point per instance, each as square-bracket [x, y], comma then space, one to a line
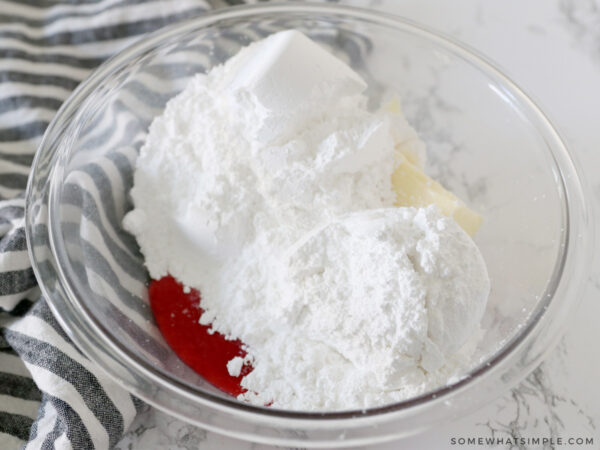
[50, 394]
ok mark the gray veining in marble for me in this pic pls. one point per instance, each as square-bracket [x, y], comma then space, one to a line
[582, 19]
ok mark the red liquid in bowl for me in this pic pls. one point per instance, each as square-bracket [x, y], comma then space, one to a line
[177, 314]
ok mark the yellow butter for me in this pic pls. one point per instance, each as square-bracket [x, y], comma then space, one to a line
[414, 188]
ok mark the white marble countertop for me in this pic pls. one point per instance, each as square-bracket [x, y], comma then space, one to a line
[551, 48]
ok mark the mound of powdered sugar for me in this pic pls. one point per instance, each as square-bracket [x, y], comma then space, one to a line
[266, 185]
[395, 292]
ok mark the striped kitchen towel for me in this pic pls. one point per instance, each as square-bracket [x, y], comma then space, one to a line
[50, 394]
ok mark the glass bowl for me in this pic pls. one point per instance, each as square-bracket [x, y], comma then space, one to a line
[487, 141]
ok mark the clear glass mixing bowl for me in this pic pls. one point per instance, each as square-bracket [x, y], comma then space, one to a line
[487, 141]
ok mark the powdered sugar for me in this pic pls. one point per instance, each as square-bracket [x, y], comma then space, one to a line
[234, 366]
[381, 300]
[267, 186]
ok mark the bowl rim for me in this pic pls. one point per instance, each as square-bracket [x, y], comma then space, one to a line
[568, 185]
